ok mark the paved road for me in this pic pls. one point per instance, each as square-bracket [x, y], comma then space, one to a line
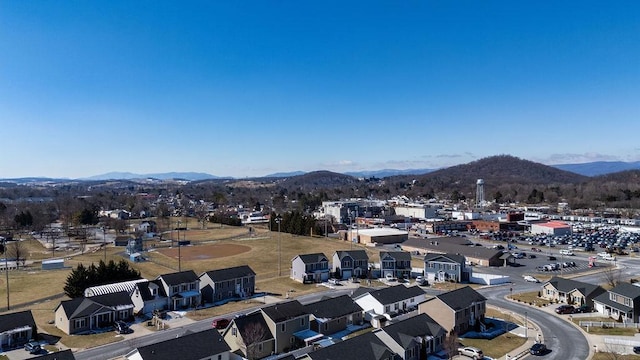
[564, 340]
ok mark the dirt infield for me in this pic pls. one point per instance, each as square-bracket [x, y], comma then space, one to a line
[205, 252]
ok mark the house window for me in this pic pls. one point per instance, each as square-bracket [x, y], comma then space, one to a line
[234, 331]
[219, 357]
[283, 327]
[260, 347]
[302, 321]
[395, 306]
[175, 289]
[292, 340]
[80, 323]
[326, 326]
[627, 301]
[387, 308]
[192, 286]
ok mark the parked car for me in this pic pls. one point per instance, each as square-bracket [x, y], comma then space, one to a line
[390, 277]
[551, 258]
[565, 309]
[538, 349]
[121, 327]
[471, 351]
[583, 309]
[221, 323]
[333, 281]
[532, 256]
[420, 280]
[33, 347]
[636, 349]
[529, 278]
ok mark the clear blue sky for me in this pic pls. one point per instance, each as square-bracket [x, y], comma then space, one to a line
[248, 88]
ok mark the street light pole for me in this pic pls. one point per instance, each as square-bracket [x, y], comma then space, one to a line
[526, 326]
[278, 221]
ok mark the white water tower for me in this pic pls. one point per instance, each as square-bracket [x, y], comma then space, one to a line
[480, 193]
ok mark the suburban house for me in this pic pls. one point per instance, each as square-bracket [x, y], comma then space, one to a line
[446, 267]
[289, 324]
[621, 303]
[16, 329]
[413, 338]
[148, 296]
[231, 283]
[58, 355]
[570, 291]
[332, 315]
[182, 289]
[390, 303]
[205, 344]
[477, 255]
[366, 346]
[89, 313]
[309, 268]
[350, 263]
[457, 310]
[396, 264]
[249, 336]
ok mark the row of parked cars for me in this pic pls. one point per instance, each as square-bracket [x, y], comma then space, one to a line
[556, 266]
[570, 309]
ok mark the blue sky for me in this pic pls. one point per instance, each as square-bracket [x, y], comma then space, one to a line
[249, 88]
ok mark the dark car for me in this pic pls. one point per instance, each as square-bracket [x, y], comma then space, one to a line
[122, 328]
[551, 258]
[636, 349]
[33, 347]
[565, 309]
[583, 309]
[538, 349]
[532, 256]
[220, 323]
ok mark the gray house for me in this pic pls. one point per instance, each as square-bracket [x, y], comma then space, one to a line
[445, 267]
[16, 329]
[395, 263]
[89, 313]
[350, 263]
[249, 336]
[366, 346]
[331, 315]
[289, 324]
[621, 303]
[182, 289]
[236, 282]
[413, 338]
[310, 268]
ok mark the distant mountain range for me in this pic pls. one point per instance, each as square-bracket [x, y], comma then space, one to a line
[586, 169]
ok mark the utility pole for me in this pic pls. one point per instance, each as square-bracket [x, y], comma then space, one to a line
[278, 221]
[104, 242]
[6, 270]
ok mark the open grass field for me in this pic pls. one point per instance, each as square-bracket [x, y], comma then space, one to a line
[497, 346]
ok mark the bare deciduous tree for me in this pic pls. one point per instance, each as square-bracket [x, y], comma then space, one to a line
[451, 343]
[612, 276]
[253, 334]
[19, 252]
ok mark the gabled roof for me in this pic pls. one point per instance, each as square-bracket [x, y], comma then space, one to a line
[194, 346]
[229, 273]
[367, 346]
[58, 355]
[312, 258]
[396, 255]
[145, 292]
[354, 254]
[394, 294]
[403, 332]
[456, 258]
[252, 323]
[461, 298]
[568, 285]
[332, 308]
[16, 320]
[81, 307]
[628, 290]
[604, 299]
[284, 311]
[178, 278]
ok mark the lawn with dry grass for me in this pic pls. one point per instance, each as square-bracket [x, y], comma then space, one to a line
[498, 346]
[613, 356]
[530, 298]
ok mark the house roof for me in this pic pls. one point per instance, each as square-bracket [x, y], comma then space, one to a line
[284, 311]
[403, 332]
[461, 298]
[15, 320]
[367, 346]
[568, 285]
[626, 289]
[81, 307]
[313, 258]
[456, 258]
[397, 255]
[229, 273]
[354, 254]
[111, 288]
[58, 355]
[393, 294]
[178, 278]
[333, 307]
[604, 299]
[452, 246]
[145, 292]
[252, 323]
[200, 345]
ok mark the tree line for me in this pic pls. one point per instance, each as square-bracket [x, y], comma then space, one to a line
[83, 277]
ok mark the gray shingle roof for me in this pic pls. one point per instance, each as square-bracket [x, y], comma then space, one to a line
[17, 319]
[354, 254]
[284, 311]
[604, 298]
[567, 285]
[313, 258]
[457, 258]
[395, 294]
[58, 355]
[194, 346]
[406, 330]
[178, 278]
[332, 308]
[461, 298]
[366, 346]
[397, 255]
[255, 319]
[229, 273]
[626, 289]
[81, 307]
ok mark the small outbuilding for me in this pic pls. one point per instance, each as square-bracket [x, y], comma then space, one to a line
[52, 264]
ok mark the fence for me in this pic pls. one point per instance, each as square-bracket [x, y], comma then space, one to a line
[609, 324]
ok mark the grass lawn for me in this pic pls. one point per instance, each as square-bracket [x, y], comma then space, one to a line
[530, 298]
[497, 346]
[612, 356]
[599, 330]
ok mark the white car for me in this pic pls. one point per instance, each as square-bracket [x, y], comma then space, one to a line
[420, 280]
[390, 277]
[472, 352]
[530, 278]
